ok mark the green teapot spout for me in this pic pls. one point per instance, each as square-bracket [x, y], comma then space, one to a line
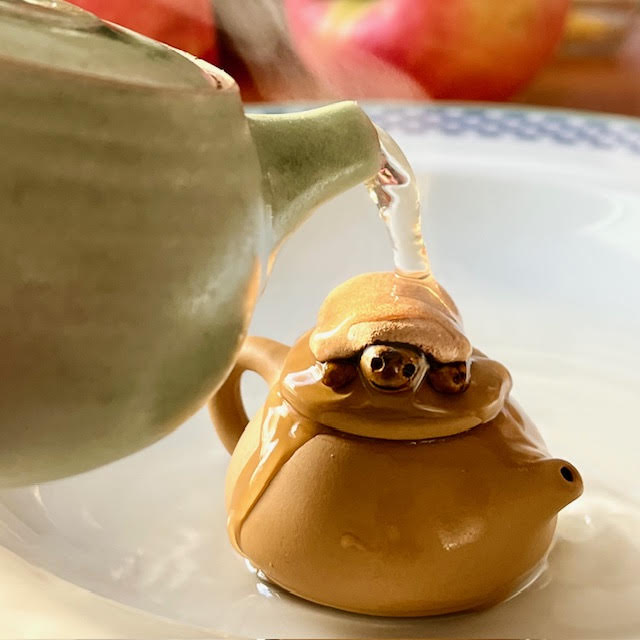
[309, 157]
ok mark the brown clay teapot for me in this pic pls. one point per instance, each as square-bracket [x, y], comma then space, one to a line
[389, 472]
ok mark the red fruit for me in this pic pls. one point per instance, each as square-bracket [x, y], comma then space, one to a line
[184, 24]
[456, 49]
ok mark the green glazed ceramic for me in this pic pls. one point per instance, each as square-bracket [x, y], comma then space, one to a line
[138, 209]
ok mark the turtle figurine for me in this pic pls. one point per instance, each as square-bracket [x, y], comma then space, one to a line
[389, 472]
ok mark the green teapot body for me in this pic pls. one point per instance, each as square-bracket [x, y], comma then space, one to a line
[138, 209]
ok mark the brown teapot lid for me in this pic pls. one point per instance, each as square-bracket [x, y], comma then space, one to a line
[383, 307]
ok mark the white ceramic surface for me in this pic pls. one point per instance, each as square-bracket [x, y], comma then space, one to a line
[532, 219]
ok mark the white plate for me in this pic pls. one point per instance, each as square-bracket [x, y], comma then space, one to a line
[532, 219]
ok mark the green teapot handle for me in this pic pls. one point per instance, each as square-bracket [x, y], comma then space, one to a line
[265, 357]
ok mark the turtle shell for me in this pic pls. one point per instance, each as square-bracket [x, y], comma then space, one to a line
[385, 308]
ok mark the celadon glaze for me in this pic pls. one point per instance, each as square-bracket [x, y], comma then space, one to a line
[394, 500]
[139, 209]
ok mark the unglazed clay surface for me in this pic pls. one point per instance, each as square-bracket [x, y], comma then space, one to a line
[394, 500]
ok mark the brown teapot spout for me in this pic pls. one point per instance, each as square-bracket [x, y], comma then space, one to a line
[560, 483]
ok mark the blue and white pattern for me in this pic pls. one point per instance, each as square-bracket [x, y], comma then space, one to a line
[567, 128]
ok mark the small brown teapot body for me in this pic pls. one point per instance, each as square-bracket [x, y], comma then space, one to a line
[385, 475]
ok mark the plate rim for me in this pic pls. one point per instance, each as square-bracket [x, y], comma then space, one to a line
[563, 128]
[287, 106]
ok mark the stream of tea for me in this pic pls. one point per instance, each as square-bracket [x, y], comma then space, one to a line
[394, 190]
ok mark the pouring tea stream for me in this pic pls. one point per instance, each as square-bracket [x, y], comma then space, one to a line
[394, 191]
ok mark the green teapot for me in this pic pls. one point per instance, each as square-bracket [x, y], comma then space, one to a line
[140, 209]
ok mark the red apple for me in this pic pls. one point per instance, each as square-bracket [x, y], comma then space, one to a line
[184, 24]
[456, 49]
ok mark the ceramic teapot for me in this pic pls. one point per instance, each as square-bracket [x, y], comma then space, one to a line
[389, 471]
[139, 210]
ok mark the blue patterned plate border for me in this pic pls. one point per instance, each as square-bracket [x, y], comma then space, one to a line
[528, 124]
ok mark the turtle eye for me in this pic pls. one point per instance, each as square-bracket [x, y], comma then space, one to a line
[337, 374]
[408, 370]
[452, 377]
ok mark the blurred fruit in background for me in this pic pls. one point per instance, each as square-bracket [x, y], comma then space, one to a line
[598, 27]
[184, 24]
[598, 64]
[455, 49]
[306, 50]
